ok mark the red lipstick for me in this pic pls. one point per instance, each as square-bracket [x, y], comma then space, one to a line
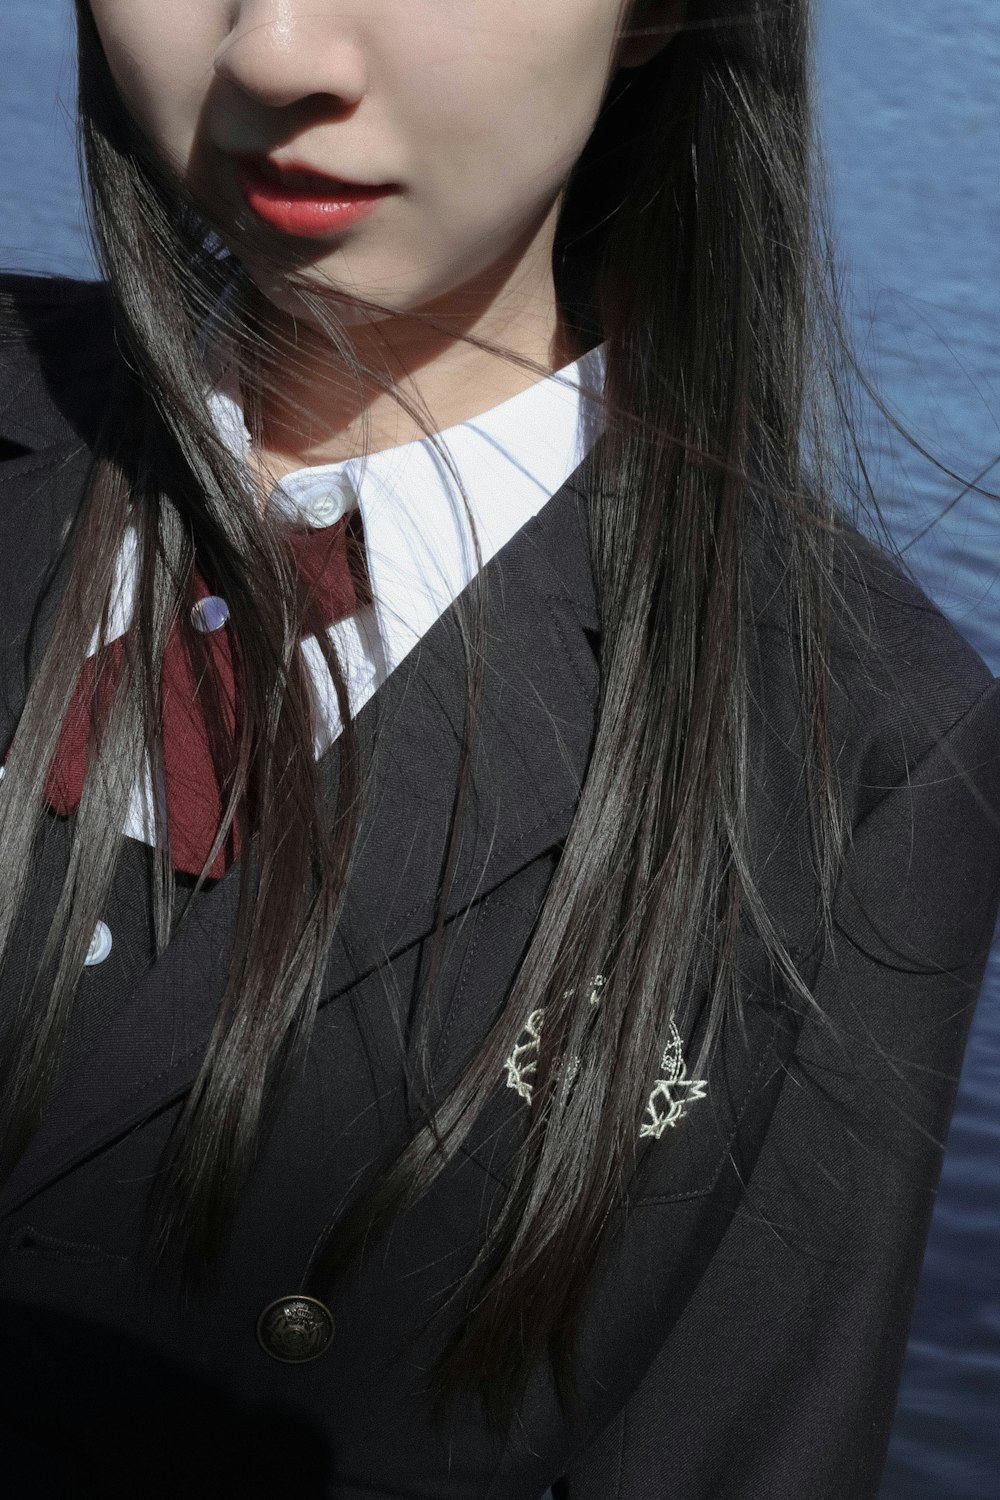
[301, 201]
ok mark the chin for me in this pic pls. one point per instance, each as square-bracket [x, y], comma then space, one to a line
[283, 287]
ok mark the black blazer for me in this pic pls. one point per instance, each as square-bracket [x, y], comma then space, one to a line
[746, 1324]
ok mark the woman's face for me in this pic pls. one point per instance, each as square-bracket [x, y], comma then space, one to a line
[471, 113]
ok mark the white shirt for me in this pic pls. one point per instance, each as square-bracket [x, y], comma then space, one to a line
[420, 535]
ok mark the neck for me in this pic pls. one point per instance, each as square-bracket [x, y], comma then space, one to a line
[404, 374]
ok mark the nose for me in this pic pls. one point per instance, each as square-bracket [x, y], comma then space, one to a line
[280, 52]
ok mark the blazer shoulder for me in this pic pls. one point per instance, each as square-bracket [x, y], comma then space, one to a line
[901, 677]
[57, 350]
[904, 678]
[902, 633]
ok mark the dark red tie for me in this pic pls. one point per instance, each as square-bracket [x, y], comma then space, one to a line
[334, 584]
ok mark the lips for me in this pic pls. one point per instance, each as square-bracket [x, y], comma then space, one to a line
[301, 201]
[299, 178]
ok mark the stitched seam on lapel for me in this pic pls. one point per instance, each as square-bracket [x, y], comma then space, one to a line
[49, 459]
[550, 600]
[505, 848]
[69, 1160]
[621, 1451]
[487, 903]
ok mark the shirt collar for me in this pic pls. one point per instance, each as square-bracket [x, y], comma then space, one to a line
[424, 540]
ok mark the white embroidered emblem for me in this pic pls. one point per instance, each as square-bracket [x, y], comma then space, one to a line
[673, 1093]
[523, 1059]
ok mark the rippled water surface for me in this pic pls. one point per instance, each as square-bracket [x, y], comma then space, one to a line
[909, 93]
[913, 122]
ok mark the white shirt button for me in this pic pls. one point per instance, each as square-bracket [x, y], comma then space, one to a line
[329, 504]
[210, 614]
[100, 945]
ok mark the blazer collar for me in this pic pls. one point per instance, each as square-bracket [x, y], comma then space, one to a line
[57, 351]
[536, 722]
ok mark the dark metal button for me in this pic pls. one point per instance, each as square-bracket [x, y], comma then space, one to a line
[295, 1329]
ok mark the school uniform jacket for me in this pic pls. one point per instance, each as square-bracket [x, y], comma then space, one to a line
[746, 1322]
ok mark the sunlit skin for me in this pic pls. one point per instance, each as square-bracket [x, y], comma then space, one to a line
[473, 111]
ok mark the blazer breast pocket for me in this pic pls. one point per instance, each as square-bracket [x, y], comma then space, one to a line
[28, 1243]
[704, 1125]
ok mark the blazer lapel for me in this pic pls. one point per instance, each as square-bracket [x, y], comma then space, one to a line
[531, 747]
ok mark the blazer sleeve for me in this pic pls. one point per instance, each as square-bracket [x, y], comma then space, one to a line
[778, 1379]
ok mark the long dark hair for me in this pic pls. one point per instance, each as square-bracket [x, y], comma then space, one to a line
[691, 246]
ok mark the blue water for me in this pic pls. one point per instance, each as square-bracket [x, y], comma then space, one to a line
[909, 102]
[910, 95]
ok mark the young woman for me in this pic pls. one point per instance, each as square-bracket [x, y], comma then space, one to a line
[496, 870]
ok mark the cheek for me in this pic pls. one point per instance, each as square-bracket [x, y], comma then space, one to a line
[160, 56]
[499, 117]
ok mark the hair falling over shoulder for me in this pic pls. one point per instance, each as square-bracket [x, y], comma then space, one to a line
[692, 246]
